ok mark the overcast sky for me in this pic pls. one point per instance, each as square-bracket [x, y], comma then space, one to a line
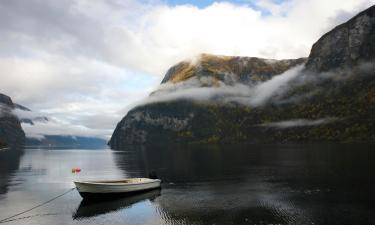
[83, 62]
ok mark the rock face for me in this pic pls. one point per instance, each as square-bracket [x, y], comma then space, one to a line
[345, 45]
[333, 98]
[229, 69]
[11, 133]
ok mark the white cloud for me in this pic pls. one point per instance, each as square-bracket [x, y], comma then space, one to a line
[276, 85]
[299, 123]
[3, 110]
[253, 94]
[55, 127]
[83, 62]
[165, 35]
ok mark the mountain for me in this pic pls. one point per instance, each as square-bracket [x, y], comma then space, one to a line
[64, 141]
[11, 133]
[189, 120]
[330, 96]
[229, 69]
[346, 45]
[30, 118]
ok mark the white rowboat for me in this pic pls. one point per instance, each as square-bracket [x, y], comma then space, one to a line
[106, 188]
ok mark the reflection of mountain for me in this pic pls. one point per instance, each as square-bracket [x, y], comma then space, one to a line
[247, 184]
[9, 163]
[89, 208]
[182, 163]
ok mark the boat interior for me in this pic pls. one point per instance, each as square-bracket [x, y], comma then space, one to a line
[125, 181]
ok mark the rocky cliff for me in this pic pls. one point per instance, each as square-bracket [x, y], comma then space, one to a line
[346, 45]
[330, 98]
[11, 133]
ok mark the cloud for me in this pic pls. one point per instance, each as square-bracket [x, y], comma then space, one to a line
[176, 33]
[71, 90]
[276, 85]
[152, 37]
[275, 8]
[341, 74]
[84, 62]
[23, 114]
[56, 127]
[73, 119]
[3, 110]
[206, 89]
[253, 94]
[298, 123]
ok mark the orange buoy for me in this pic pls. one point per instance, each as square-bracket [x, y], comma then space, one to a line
[76, 170]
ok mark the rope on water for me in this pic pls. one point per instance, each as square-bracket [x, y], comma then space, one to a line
[37, 206]
[31, 216]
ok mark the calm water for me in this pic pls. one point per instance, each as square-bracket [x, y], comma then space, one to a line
[287, 184]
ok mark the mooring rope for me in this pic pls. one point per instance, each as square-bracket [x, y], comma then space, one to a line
[37, 206]
[31, 216]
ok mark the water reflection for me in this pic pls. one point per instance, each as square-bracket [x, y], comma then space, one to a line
[236, 184]
[183, 163]
[9, 163]
[91, 208]
[260, 184]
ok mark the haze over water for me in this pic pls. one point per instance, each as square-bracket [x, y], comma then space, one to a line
[253, 184]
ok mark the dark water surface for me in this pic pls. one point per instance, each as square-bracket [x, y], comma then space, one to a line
[254, 184]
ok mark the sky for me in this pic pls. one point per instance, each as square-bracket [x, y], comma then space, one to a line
[202, 3]
[84, 63]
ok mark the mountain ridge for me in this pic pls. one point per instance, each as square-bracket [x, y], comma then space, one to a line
[332, 98]
[27, 116]
[345, 44]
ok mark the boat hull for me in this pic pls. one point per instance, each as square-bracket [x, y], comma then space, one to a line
[99, 196]
[104, 190]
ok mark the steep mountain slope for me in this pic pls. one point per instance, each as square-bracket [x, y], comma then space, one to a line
[178, 120]
[331, 98]
[11, 133]
[346, 45]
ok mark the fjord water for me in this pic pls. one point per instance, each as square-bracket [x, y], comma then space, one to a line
[252, 184]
